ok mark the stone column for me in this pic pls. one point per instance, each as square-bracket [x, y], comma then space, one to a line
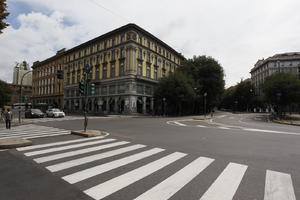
[132, 104]
[107, 105]
[152, 106]
[144, 105]
[116, 107]
[131, 61]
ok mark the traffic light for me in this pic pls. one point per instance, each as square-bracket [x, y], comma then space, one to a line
[92, 88]
[81, 88]
[60, 74]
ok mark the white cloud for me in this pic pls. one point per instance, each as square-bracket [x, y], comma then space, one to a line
[235, 32]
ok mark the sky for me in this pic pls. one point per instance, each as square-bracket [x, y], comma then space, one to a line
[235, 32]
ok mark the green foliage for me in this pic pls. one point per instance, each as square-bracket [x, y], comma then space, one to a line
[282, 89]
[5, 92]
[208, 76]
[3, 15]
[177, 90]
[239, 97]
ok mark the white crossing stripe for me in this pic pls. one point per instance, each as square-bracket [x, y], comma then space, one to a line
[92, 158]
[46, 135]
[88, 173]
[225, 186]
[107, 188]
[33, 133]
[78, 152]
[57, 143]
[180, 124]
[279, 186]
[174, 183]
[55, 149]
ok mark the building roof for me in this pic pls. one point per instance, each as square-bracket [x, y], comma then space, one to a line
[289, 56]
[107, 35]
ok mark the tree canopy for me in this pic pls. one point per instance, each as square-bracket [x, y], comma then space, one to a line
[208, 77]
[5, 92]
[3, 15]
[198, 80]
[175, 89]
[282, 89]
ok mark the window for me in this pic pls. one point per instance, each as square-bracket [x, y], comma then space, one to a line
[97, 73]
[113, 71]
[155, 74]
[140, 69]
[113, 55]
[148, 71]
[104, 72]
[122, 69]
[140, 55]
[122, 52]
[113, 42]
[148, 56]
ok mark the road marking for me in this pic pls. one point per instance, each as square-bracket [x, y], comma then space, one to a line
[78, 152]
[32, 134]
[279, 186]
[88, 159]
[178, 123]
[88, 173]
[33, 153]
[225, 186]
[269, 131]
[174, 183]
[201, 126]
[46, 135]
[226, 128]
[102, 190]
[58, 143]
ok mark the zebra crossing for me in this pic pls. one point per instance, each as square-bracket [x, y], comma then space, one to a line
[30, 131]
[47, 119]
[81, 160]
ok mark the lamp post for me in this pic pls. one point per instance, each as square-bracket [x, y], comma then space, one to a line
[164, 106]
[204, 95]
[20, 94]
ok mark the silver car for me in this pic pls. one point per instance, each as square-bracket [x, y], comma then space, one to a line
[55, 112]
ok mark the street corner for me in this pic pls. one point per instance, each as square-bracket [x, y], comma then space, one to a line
[89, 133]
[9, 143]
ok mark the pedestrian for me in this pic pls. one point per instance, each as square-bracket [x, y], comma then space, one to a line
[8, 117]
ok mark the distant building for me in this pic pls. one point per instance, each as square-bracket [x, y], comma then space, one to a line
[19, 70]
[126, 66]
[285, 62]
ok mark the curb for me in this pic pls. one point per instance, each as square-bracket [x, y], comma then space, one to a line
[9, 143]
[285, 122]
[89, 133]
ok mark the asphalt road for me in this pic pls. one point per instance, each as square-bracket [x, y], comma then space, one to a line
[244, 153]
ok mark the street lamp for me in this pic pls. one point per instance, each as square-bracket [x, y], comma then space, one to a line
[164, 106]
[20, 94]
[204, 95]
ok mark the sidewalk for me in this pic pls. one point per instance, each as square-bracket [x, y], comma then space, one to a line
[293, 119]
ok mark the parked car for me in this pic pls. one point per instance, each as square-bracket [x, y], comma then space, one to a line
[34, 113]
[55, 112]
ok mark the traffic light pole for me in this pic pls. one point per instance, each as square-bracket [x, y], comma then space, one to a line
[85, 101]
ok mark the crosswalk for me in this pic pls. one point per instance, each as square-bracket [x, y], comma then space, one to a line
[83, 162]
[30, 131]
[50, 119]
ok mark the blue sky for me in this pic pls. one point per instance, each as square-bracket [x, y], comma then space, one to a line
[235, 32]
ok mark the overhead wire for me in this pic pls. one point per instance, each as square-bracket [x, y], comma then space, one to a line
[110, 11]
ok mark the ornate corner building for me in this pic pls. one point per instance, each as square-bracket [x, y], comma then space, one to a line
[284, 62]
[126, 65]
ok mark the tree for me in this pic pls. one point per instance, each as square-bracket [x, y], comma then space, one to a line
[3, 15]
[281, 89]
[239, 97]
[5, 92]
[208, 77]
[174, 93]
